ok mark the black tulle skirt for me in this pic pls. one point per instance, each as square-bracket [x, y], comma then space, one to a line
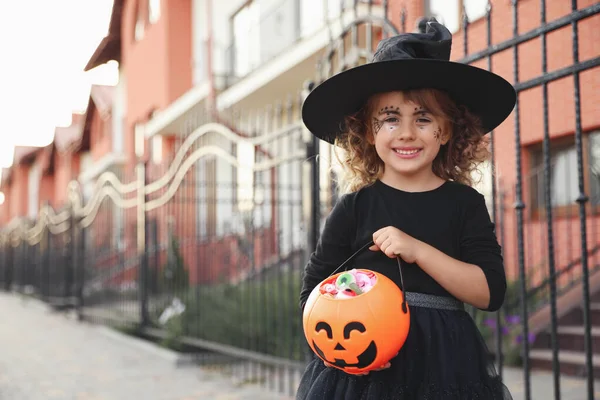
[444, 357]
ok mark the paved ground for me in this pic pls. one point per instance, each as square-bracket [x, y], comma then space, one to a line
[46, 356]
[542, 386]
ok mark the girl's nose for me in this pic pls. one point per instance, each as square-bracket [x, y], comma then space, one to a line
[406, 131]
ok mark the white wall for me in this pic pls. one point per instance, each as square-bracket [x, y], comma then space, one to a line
[33, 190]
[119, 110]
[88, 186]
[198, 41]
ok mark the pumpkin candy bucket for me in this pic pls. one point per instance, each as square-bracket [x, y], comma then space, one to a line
[356, 320]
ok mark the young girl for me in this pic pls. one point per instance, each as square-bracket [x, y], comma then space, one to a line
[412, 128]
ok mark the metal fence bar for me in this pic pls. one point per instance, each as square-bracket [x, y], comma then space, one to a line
[549, 216]
[519, 206]
[582, 199]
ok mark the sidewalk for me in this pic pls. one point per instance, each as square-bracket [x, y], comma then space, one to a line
[48, 356]
[542, 386]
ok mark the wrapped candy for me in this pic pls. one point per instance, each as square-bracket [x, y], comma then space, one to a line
[349, 284]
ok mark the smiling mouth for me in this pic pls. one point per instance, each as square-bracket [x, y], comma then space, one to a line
[410, 152]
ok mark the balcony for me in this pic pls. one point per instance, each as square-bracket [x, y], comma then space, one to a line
[274, 49]
[264, 30]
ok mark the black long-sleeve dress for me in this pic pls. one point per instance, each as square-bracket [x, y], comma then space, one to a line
[444, 356]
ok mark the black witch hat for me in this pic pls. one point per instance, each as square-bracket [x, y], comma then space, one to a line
[404, 62]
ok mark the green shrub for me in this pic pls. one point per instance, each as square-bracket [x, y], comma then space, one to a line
[261, 315]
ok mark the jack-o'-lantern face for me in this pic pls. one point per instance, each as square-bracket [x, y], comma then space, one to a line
[340, 349]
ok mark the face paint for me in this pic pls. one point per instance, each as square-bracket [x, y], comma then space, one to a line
[437, 134]
[377, 124]
[387, 111]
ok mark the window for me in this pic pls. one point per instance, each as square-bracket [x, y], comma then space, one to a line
[311, 16]
[261, 31]
[594, 157]
[449, 12]
[563, 173]
[153, 11]
[246, 39]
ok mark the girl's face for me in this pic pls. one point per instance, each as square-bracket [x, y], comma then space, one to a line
[407, 137]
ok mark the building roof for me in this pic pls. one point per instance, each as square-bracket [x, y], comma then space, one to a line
[23, 154]
[101, 99]
[5, 177]
[103, 95]
[64, 137]
[110, 47]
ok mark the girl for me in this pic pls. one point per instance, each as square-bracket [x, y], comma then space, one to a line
[411, 125]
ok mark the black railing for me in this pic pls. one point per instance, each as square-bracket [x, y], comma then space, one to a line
[574, 18]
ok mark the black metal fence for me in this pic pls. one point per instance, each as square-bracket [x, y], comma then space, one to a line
[205, 251]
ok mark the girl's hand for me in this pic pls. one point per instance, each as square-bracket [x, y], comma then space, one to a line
[386, 366]
[393, 242]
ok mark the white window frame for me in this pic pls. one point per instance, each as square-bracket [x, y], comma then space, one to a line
[154, 11]
[450, 12]
[140, 25]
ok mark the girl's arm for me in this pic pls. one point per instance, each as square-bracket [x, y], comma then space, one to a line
[478, 278]
[467, 282]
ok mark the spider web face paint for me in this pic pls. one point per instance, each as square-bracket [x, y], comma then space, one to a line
[377, 124]
[387, 111]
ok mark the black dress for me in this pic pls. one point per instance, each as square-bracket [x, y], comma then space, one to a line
[444, 356]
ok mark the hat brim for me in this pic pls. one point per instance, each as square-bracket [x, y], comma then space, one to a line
[486, 94]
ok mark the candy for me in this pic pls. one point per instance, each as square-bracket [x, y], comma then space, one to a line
[349, 284]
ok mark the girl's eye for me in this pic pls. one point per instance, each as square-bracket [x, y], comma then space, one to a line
[391, 120]
[423, 121]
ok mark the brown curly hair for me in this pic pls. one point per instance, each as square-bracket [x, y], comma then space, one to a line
[456, 160]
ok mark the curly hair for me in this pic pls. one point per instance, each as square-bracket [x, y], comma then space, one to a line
[456, 160]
